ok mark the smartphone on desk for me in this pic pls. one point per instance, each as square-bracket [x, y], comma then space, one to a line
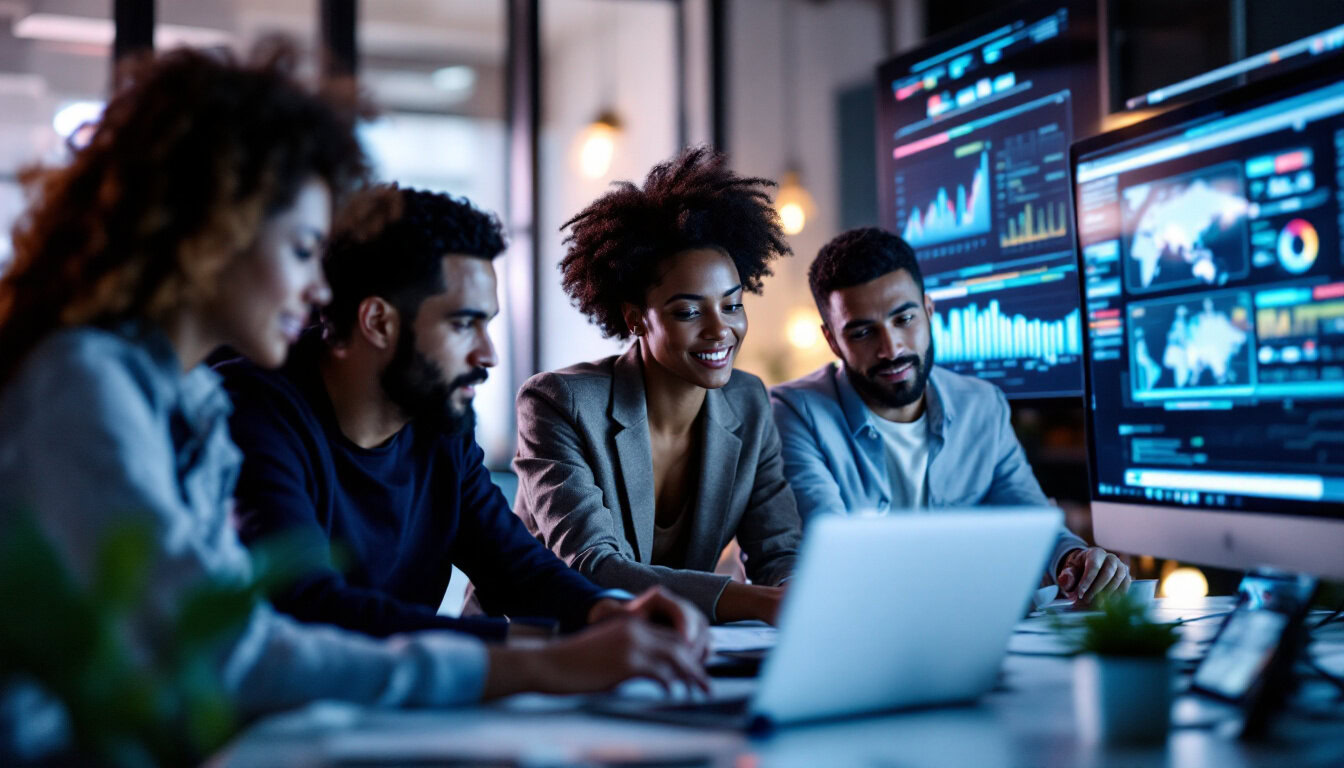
[1250, 662]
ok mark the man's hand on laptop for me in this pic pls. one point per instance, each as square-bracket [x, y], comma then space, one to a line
[1086, 574]
[599, 658]
[659, 606]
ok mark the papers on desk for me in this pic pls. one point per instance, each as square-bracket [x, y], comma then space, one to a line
[742, 636]
[1040, 644]
[1044, 622]
[488, 736]
[1035, 643]
[1049, 634]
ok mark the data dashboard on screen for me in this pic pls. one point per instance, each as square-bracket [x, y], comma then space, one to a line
[1214, 297]
[973, 144]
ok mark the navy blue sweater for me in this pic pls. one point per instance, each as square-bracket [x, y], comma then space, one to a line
[399, 516]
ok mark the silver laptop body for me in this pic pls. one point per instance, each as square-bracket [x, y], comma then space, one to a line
[890, 612]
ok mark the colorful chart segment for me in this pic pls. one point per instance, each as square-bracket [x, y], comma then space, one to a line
[1298, 246]
[971, 334]
[947, 219]
[1304, 320]
[1034, 226]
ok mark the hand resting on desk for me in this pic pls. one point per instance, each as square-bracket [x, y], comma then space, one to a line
[658, 606]
[621, 646]
[1086, 574]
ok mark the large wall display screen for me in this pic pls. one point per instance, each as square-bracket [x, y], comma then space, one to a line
[974, 133]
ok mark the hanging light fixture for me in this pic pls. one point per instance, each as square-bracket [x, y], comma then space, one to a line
[597, 144]
[599, 140]
[793, 203]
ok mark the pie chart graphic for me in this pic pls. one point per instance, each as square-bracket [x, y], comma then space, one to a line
[1298, 246]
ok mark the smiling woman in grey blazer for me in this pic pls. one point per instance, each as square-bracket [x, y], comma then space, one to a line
[640, 468]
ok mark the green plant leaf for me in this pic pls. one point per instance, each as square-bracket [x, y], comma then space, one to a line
[1121, 628]
[122, 575]
[157, 706]
[211, 613]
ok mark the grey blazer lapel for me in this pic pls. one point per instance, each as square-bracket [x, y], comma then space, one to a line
[633, 459]
[719, 450]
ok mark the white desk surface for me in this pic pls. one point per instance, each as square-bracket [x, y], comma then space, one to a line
[1027, 721]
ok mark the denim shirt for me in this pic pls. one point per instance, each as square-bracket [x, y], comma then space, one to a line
[100, 427]
[835, 459]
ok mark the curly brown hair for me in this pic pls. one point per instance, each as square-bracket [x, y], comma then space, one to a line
[188, 160]
[618, 243]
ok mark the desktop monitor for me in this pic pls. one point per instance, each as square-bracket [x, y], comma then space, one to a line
[1213, 282]
[1303, 52]
[973, 136]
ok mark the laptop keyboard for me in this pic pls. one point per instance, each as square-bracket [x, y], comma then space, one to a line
[736, 706]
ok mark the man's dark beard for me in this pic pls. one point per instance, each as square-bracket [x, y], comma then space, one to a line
[416, 386]
[904, 393]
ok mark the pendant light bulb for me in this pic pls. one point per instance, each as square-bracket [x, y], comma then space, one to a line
[597, 145]
[793, 204]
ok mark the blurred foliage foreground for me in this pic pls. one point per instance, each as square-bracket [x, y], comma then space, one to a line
[115, 704]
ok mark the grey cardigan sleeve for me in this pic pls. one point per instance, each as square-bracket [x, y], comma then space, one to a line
[559, 499]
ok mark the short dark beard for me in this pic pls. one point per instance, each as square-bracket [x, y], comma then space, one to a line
[867, 385]
[416, 385]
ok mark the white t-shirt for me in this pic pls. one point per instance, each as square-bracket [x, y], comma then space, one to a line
[907, 446]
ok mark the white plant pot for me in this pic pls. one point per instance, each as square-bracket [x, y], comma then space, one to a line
[1119, 699]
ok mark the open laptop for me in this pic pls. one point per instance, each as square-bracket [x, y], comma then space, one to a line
[886, 613]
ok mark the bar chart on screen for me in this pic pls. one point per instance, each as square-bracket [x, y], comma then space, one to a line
[1014, 322]
[1035, 225]
[1032, 190]
[975, 333]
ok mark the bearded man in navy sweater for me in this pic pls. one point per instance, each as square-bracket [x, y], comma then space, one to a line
[360, 451]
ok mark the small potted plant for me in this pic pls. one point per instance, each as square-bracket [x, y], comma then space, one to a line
[1122, 676]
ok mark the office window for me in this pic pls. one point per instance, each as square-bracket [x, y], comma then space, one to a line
[238, 25]
[54, 74]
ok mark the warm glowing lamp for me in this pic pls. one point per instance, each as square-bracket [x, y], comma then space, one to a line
[793, 203]
[804, 328]
[597, 145]
[1185, 583]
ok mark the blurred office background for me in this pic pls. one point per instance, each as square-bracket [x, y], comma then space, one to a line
[531, 108]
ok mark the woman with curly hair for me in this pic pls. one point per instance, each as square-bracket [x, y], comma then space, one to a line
[640, 468]
[195, 218]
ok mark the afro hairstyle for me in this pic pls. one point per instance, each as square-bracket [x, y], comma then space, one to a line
[857, 256]
[618, 244]
[389, 241]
